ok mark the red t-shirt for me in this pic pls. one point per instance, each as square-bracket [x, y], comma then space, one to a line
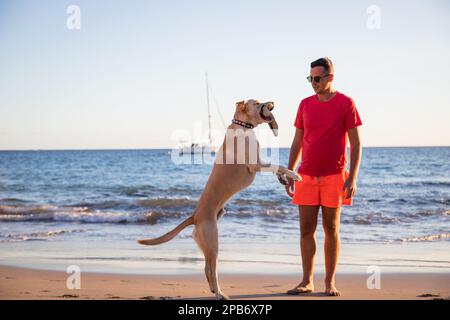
[325, 126]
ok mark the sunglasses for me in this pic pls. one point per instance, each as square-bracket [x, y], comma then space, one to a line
[316, 78]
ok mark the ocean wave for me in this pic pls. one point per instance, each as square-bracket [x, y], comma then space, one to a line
[167, 202]
[403, 183]
[106, 204]
[138, 191]
[145, 190]
[431, 237]
[442, 201]
[181, 189]
[436, 183]
[155, 210]
[426, 214]
[394, 217]
[38, 236]
[13, 200]
[277, 213]
[263, 213]
[371, 218]
[46, 213]
[254, 202]
[18, 210]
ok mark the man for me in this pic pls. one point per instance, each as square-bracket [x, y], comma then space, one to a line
[323, 123]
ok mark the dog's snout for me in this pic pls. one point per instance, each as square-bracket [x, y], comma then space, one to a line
[269, 105]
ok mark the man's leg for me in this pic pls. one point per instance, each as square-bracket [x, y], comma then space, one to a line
[330, 222]
[308, 224]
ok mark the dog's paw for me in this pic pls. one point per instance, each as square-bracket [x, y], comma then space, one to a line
[282, 178]
[222, 296]
[293, 175]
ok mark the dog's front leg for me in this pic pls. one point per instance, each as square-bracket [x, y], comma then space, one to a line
[278, 170]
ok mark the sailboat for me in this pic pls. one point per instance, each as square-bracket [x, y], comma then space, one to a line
[200, 146]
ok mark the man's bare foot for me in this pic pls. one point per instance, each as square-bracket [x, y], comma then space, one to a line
[330, 290]
[303, 287]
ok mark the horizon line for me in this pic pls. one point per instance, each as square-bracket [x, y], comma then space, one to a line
[123, 149]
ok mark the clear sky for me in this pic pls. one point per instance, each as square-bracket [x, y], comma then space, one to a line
[133, 74]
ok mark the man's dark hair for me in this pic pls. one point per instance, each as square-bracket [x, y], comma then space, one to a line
[325, 63]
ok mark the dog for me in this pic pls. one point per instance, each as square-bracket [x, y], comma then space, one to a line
[234, 170]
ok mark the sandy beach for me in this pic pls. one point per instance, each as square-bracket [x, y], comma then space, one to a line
[20, 283]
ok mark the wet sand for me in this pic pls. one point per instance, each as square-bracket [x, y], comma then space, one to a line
[21, 283]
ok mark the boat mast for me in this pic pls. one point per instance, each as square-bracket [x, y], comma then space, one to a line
[209, 111]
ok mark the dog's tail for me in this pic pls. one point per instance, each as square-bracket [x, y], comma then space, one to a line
[169, 235]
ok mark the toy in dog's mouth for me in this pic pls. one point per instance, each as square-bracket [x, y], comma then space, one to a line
[266, 115]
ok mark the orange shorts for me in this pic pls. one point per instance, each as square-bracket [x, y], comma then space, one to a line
[324, 191]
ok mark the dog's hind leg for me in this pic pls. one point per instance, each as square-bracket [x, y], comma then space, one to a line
[201, 244]
[221, 213]
[213, 261]
[207, 237]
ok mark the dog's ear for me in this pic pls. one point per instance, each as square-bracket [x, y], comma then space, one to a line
[241, 105]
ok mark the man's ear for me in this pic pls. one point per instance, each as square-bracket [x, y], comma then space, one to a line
[331, 77]
[241, 105]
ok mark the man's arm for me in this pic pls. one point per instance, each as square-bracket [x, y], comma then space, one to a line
[294, 158]
[296, 149]
[355, 161]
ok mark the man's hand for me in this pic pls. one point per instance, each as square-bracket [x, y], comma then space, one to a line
[290, 187]
[287, 178]
[349, 188]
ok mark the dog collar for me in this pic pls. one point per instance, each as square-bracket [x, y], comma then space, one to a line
[243, 124]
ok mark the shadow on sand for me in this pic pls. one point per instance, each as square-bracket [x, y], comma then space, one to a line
[265, 295]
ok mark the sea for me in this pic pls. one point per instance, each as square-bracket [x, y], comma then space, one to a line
[87, 208]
